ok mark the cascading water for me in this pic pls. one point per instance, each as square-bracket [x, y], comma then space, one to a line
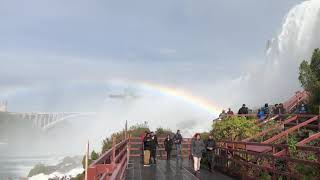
[277, 78]
[299, 36]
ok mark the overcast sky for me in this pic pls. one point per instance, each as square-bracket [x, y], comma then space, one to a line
[55, 52]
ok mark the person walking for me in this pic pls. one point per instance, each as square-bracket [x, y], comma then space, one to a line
[147, 149]
[210, 147]
[154, 145]
[168, 142]
[197, 149]
[177, 142]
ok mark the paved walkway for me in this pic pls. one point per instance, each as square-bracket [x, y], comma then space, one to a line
[169, 170]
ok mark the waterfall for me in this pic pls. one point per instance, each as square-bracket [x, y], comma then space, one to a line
[299, 36]
[276, 79]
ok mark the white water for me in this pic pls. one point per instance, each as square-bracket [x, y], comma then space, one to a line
[57, 175]
[276, 79]
[299, 36]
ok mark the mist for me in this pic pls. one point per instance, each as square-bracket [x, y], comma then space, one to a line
[65, 82]
[276, 78]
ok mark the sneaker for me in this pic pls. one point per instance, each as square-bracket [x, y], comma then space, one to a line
[146, 165]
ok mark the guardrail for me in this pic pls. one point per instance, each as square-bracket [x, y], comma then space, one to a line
[136, 147]
[112, 164]
[240, 159]
[295, 100]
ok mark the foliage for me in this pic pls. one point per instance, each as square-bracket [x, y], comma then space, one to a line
[292, 143]
[234, 128]
[310, 79]
[161, 132]
[265, 176]
[308, 172]
[204, 135]
[94, 155]
[138, 129]
[135, 131]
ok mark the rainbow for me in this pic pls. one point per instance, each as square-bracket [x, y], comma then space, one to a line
[197, 101]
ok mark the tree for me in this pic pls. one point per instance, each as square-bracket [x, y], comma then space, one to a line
[234, 128]
[309, 78]
[94, 155]
[161, 132]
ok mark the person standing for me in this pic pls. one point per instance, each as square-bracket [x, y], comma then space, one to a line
[243, 110]
[210, 147]
[222, 115]
[177, 142]
[142, 143]
[147, 149]
[197, 149]
[154, 145]
[230, 112]
[168, 146]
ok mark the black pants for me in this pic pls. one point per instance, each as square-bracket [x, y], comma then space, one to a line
[154, 155]
[210, 158]
[168, 154]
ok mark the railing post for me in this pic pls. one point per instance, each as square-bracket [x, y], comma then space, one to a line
[113, 161]
[128, 149]
[86, 161]
[126, 130]
[189, 147]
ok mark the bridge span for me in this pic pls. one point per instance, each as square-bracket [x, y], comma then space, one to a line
[47, 120]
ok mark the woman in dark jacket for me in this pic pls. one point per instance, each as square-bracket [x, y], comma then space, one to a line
[197, 149]
[168, 142]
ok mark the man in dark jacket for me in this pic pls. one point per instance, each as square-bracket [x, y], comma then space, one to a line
[177, 141]
[154, 145]
[243, 110]
[168, 146]
[210, 147]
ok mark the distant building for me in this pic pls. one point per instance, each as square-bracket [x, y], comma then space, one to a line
[3, 106]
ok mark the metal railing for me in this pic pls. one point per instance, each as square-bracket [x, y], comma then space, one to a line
[112, 164]
[238, 159]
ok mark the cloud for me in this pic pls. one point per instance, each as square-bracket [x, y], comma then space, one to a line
[167, 51]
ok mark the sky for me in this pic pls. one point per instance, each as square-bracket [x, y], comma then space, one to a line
[49, 47]
[77, 55]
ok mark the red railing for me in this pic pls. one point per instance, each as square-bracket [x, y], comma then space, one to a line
[294, 101]
[112, 164]
[136, 147]
[237, 158]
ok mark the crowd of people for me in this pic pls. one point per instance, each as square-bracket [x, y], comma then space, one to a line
[265, 111]
[199, 148]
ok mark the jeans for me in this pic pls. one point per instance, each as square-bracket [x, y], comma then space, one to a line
[168, 154]
[210, 157]
[178, 149]
[153, 155]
